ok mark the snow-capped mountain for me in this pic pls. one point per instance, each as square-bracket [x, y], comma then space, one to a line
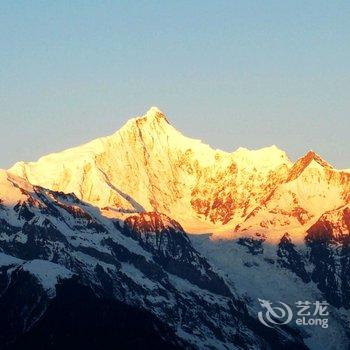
[312, 188]
[332, 226]
[116, 212]
[51, 243]
[149, 166]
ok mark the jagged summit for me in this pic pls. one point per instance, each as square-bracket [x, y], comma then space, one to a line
[152, 121]
[142, 257]
[302, 163]
[264, 155]
[312, 155]
[153, 115]
[154, 112]
[148, 165]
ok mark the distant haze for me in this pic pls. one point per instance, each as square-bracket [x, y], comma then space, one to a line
[232, 73]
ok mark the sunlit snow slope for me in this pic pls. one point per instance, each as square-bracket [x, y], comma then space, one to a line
[148, 165]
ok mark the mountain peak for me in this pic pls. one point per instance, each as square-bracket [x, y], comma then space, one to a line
[313, 156]
[153, 119]
[154, 114]
[302, 163]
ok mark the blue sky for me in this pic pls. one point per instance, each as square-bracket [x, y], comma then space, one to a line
[232, 73]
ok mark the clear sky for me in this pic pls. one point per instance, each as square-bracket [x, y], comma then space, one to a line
[232, 73]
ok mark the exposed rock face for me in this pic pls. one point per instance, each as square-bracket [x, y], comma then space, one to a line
[329, 240]
[291, 259]
[120, 228]
[173, 250]
[149, 166]
[148, 263]
[312, 188]
[332, 226]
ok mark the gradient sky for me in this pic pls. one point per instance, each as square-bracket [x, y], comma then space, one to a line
[232, 73]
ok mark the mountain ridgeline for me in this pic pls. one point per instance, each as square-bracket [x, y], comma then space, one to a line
[181, 236]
